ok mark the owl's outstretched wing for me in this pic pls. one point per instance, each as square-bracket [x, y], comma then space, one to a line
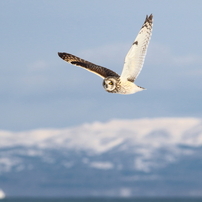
[99, 70]
[135, 57]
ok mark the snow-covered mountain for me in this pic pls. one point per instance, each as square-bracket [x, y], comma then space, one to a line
[143, 157]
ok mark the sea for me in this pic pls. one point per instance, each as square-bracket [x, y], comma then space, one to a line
[101, 200]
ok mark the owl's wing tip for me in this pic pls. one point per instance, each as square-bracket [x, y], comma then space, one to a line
[149, 18]
[60, 54]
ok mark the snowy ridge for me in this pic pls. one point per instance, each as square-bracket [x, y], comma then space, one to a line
[142, 150]
[101, 137]
[144, 137]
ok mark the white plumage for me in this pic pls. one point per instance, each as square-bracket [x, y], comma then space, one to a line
[134, 61]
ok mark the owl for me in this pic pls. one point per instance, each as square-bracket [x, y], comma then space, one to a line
[112, 82]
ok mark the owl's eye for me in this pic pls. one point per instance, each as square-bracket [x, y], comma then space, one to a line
[110, 83]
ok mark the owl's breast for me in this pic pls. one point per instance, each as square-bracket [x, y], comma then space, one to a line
[127, 87]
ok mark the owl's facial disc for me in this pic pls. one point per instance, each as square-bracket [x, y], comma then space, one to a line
[109, 84]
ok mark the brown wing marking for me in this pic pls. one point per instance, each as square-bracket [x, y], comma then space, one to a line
[96, 69]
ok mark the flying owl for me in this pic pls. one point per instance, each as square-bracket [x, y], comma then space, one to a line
[112, 82]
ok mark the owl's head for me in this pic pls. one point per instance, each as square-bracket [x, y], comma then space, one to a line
[110, 84]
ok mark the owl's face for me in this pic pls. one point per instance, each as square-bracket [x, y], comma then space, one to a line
[110, 84]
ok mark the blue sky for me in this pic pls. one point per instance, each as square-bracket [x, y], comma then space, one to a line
[39, 90]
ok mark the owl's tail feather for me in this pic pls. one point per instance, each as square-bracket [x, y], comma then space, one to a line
[141, 88]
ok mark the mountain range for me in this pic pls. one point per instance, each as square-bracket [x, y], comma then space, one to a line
[119, 158]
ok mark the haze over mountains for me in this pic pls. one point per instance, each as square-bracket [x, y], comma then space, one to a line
[142, 157]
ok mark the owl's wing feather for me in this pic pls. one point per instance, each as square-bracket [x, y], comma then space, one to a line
[135, 57]
[96, 69]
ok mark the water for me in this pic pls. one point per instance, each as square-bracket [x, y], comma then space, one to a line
[102, 200]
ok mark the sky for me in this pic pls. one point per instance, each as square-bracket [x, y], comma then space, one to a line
[39, 90]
